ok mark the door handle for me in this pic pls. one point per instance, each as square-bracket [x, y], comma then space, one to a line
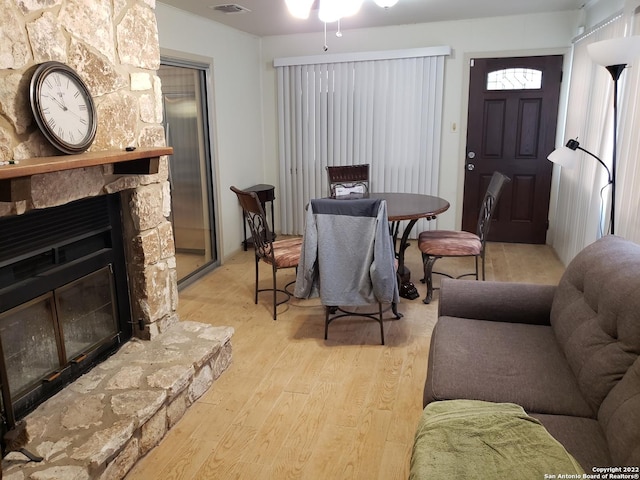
[471, 155]
[470, 166]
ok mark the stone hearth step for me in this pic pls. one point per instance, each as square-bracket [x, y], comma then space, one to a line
[100, 425]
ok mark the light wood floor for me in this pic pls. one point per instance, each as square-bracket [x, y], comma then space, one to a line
[294, 406]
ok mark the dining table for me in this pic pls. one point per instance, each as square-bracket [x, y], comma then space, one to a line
[409, 207]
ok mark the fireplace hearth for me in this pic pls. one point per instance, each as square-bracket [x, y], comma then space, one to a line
[64, 298]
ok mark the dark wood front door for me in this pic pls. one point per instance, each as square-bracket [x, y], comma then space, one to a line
[512, 130]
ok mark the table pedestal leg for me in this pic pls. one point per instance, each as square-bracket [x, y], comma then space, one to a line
[407, 289]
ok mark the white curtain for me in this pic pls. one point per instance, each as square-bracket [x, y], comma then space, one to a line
[583, 202]
[384, 112]
[628, 181]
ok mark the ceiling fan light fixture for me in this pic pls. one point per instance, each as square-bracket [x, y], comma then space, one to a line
[386, 3]
[351, 7]
[334, 10]
[330, 10]
[299, 8]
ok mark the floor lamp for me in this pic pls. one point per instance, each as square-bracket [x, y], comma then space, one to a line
[566, 157]
[614, 54]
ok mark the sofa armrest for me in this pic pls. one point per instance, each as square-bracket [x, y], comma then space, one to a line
[497, 301]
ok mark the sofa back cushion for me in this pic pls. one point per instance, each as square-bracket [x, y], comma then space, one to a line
[595, 316]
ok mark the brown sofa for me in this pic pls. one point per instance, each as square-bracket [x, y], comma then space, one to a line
[568, 354]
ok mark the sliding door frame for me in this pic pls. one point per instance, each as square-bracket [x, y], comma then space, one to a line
[175, 58]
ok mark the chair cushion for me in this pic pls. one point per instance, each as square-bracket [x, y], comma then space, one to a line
[287, 252]
[443, 243]
[502, 362]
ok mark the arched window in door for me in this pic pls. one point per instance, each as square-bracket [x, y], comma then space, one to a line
[514, 79]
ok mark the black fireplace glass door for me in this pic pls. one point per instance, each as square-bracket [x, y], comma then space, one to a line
[64, 299]
[86, 312]
[29, 342]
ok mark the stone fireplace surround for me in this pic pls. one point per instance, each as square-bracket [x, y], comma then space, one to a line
[101, 424]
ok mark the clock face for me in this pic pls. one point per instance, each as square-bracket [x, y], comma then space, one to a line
[63, 107]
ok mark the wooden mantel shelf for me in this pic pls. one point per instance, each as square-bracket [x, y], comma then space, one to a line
[38, 165]
[141, 161]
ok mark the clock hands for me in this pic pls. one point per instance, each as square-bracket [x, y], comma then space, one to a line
[82, 120]
[60, 104]
[60, 94]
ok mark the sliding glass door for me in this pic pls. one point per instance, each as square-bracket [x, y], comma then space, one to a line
[186, 124]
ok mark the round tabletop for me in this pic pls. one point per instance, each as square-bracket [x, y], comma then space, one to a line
[411, 206]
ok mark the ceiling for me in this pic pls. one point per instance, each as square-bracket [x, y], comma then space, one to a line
[270, 17]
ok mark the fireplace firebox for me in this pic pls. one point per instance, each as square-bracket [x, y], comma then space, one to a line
[64, 299]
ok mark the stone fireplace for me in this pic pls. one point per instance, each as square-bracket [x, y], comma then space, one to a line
[99, 425]
[113, 45]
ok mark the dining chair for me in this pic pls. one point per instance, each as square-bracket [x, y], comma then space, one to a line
[437, 244]
[347, 179]
[279, 254]
[348, 276]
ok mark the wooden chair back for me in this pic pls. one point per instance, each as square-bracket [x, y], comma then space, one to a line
[256, 218]
[346, 179]
[496, 185]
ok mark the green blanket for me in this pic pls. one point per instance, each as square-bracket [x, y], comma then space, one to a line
[469, 439]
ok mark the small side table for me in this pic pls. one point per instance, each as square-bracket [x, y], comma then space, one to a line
[265, 193]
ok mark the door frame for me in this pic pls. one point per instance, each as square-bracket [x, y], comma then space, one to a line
[188, 59]
[463, 122]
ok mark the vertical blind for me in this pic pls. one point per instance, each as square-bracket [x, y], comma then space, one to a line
[628, 182]
[583, 201]
[386, 112]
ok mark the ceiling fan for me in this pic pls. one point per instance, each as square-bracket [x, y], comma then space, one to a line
[330, 10]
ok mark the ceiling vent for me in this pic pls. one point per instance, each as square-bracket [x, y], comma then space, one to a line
[231, 8]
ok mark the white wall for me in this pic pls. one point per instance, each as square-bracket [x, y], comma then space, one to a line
[237, 100]
[245, 89]
[501, 36]
[600, 10]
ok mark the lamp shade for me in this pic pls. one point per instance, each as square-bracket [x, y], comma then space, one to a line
[299, 8]
[386, 3]
[330, 11]
[615, 51]
[334, 10]
[563, 156]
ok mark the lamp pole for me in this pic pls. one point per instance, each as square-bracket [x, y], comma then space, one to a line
[615, 54]
[615, 71]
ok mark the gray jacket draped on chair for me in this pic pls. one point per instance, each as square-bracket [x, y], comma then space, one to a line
[347, 253]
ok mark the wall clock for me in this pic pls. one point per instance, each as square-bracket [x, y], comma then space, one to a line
[63, 107]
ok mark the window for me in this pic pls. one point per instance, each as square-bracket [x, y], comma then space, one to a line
[514, 79]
